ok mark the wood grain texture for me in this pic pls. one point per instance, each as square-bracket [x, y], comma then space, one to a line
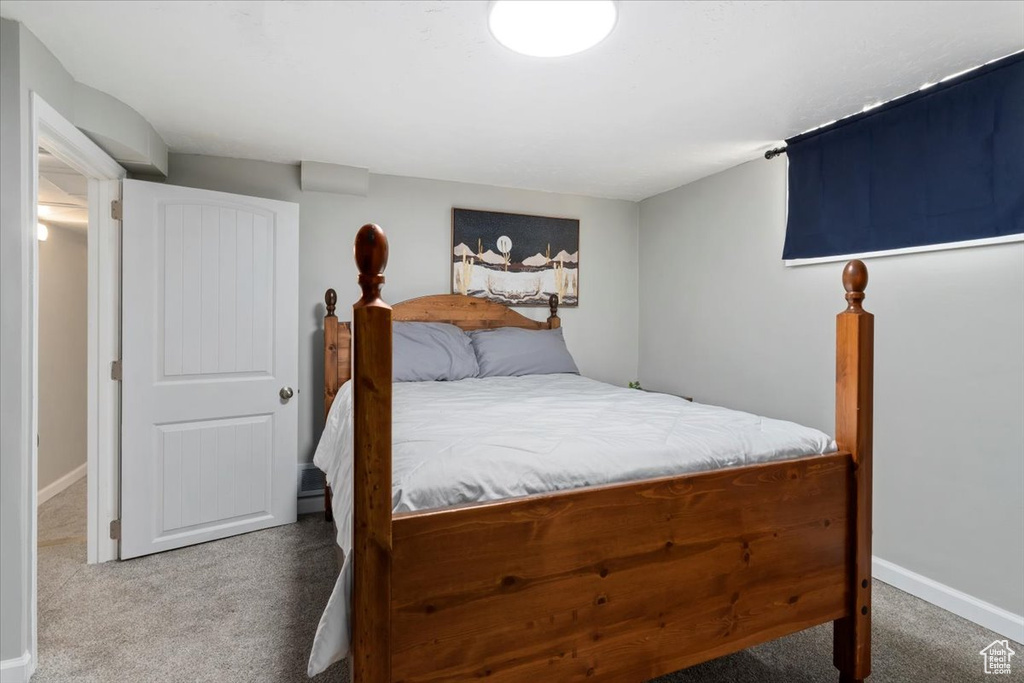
[855, 329]
[467, 312]
[620, 583]
[371, 500]
[337, 352]
[331, 383]
[337, 368]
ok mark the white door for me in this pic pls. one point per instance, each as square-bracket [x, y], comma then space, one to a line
[210, 360]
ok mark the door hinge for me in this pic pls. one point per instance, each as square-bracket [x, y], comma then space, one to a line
[115, 529]
[116, 209]
[115, 370]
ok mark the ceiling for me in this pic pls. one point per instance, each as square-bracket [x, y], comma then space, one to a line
[63, 194]
[680, 90]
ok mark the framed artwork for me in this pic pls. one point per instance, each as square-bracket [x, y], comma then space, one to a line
[515, 259]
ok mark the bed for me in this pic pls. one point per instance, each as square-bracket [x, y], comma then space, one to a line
[624, 562]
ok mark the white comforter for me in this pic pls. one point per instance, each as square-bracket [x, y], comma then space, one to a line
[502, 437]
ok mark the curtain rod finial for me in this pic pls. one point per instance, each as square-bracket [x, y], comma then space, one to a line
[772, 153]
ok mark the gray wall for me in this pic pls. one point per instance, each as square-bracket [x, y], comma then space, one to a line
[416, 213]
[63, 322]
[13, 379]
[721, 319]
[26, 66]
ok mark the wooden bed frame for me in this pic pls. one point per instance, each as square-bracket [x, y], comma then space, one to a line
[613, 583]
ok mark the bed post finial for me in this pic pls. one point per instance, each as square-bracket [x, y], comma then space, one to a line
[331, 299]
[855, 280]
[371, 252]
[553, 320]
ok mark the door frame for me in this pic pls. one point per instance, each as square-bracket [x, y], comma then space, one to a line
[61, 138]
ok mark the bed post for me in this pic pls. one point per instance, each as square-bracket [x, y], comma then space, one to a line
[371, 420]
[330, 351]
[554, 321]
[330, 376]
[855, 331]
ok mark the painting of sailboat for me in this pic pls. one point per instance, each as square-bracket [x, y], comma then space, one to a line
[515, 259]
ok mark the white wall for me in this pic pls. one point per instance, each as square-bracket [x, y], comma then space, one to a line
[721, 319]
[63, 321]
[416, 213]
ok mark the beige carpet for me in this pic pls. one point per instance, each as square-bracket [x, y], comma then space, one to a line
[245, 609]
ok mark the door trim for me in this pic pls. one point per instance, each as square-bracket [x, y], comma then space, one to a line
[50, 130]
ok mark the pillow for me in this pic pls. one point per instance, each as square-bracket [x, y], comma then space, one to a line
[424, 352]
[511, 351]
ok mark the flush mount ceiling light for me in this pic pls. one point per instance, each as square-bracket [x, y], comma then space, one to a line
[551, 28]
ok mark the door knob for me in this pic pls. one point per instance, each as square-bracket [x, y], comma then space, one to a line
[286, 393]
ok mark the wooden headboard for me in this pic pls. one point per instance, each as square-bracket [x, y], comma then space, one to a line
[466, 312]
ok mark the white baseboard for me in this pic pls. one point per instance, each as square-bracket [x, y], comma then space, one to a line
[17, 670]
[311, 504]
[983, 613]
[51, 490]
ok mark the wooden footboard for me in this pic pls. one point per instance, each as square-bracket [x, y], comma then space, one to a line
[614, 583]
[620, 583]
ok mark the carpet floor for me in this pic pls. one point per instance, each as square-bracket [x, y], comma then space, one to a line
[244, 609]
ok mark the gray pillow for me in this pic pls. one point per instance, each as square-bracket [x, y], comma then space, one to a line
[511, 351]
[424, 352]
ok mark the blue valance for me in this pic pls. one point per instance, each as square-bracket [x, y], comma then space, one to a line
[942, 165]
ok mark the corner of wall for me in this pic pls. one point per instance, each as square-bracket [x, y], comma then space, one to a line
[639, 291]
[118, 129]
[121, 131]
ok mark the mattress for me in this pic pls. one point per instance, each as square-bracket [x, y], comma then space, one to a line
[486, 439]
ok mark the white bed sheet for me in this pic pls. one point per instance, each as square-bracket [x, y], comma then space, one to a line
[505, 437]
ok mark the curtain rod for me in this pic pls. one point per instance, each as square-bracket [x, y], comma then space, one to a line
[945, 84]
